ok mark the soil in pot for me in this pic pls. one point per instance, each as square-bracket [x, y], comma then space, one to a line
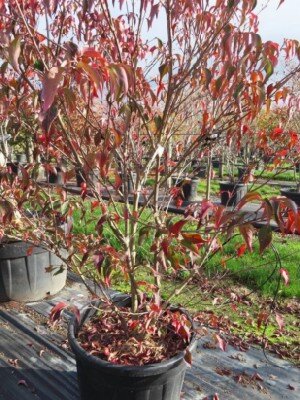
[103, 379]
[189, 188]
[291, 194]
[232, 192]
[25, 273]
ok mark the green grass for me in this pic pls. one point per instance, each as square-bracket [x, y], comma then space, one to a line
[251, 270]
[87, 226]
[260, 272]
[286, 175]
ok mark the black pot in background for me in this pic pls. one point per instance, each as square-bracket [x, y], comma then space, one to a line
[56, 178]
[99, 379]
[130, 184]
[21, 158]
[232, 193]
[81, 176]
[215, 163]
[243, 172]
[291, 194]
[200, 171]
[23, 274]
[189, 187]
[13, 167]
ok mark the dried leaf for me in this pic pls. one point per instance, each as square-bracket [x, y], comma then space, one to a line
[14, 51]
[279, 320]
[264, 238]
[285, 275]
[188, 357]
[221, 342]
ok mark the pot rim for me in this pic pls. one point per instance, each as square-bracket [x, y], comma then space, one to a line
[137, 370]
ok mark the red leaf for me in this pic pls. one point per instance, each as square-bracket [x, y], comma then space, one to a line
[51, 83]
[221, 342]
[241, 250]
[285, 275]
[250, 196]
[93, 75]
[279, 320]
[29, 251]
[246, 231]
[56, 311]
[76, 313]
[176, 228]
[118, 181]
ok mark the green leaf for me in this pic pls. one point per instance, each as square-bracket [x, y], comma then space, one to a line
[238, 90]
[39, 65]
[159, 43]
[163, 70]
[264, 238]
[269, 69]
[65, 207]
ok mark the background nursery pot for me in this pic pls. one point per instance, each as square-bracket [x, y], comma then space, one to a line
[189, 187]
[24, 277]
[291, 194]
[232, 192]
[99, 379]
[56, 177]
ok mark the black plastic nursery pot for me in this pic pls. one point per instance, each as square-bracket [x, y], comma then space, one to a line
[243, 173]
[56, 178]
[215, 163]
[23, 272]
[13, 167]
[81, 176]
[129, 183]
[101, 380]
[232, 193]
[189, 187]
[291, 194]
[200, 171]
[21, 158]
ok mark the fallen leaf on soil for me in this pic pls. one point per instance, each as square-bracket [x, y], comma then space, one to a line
[238, 356]
[188, 357]
[221, 342]
[223, 371]
[23, 383]
[13, 362]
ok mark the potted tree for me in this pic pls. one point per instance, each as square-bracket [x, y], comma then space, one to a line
[138, 347]
[28, 270]
[233, 190]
